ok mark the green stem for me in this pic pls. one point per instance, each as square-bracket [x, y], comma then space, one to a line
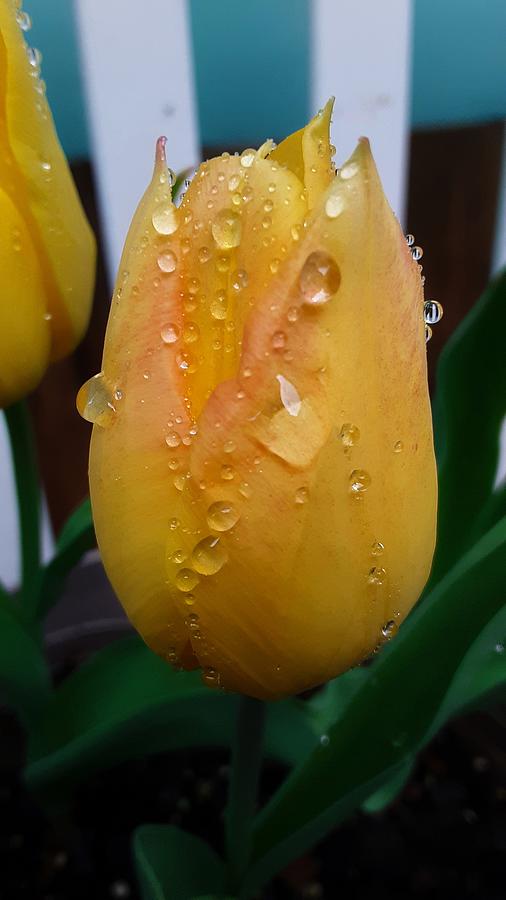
[28, 494]
[242, 797]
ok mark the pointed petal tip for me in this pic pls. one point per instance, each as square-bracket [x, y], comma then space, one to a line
[160, 156]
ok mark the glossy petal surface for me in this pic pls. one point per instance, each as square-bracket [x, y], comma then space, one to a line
[262, 470]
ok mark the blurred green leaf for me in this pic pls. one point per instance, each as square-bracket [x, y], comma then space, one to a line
[469, 407]
[392, 714]
[174, 865]
[76, 538]
[24, 677]
[126, 702]
[389, 790]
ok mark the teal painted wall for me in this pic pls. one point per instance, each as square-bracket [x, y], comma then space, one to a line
[252, 65]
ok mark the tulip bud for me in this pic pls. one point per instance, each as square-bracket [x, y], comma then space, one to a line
[262, 469]
[47, 249]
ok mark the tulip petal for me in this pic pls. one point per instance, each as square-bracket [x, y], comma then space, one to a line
[25, 337]
[36, 176]
[308, 154]
[254, 509]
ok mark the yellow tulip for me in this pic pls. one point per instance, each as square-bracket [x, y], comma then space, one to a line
[262, 469]
[47, 249]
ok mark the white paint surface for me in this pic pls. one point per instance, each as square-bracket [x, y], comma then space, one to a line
[138, 74]
[361, 55]
[9, 541]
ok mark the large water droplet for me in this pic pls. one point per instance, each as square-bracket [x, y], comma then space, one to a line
[289, 396]
[94, 401]
[377, 548]
[211, 677]
[226, 229]
[319, 279]
[222, 515]
[349, 171]
[334, 206]
[388, 628]
[417, 253]
[248, 157]
[209, 556]
[360, 480]
[167, 262]
[169, 333]
[301, 495]
[186, 580]
[173, 439]
[164, 218]
[432, 312]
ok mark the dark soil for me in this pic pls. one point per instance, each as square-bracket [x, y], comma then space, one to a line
[444, 837]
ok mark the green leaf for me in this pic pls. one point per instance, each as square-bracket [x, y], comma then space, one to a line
[76, 538]
[174, 865]
[389, 790]
[469, 407]
[393, 713]
[24, 676]
[126, 702]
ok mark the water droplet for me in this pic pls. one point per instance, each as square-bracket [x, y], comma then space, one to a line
[23, 19]
[248, 158]
[186, 580]
[266, 222]
[174, 524]
[432, 312]
[410, 238]
[209, 556]
[229, 446]
[349, 435]
[274, 265]
[169, 333]
[34, 57]
[227, 472]
[222, 516]
[289, 395]
[239, 280]
[334, 206]
[296, 231]
[167, 262]
[301, 495]
[349, 171]
[226, 229]
[377, 575]
[94, 401]
[186, 362]
[360, 480]
[245, 489]
[204, 254]
[398, 447]
[164, 218]
[293, 313]
[218, 306]
[278, 340]
[388, 628]
[191, 332]
[173, 439]
[234, 182]
[319, 278]
[178, 556]
[428, 333]
[499, 647]
[377, 548]
[324, 740]
[211, 677]
[417, 253]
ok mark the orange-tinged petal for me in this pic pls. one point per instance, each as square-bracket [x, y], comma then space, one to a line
[36, 176]
[295, 503]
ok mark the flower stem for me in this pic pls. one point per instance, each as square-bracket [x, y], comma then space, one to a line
[28, 494]
[242, 797]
